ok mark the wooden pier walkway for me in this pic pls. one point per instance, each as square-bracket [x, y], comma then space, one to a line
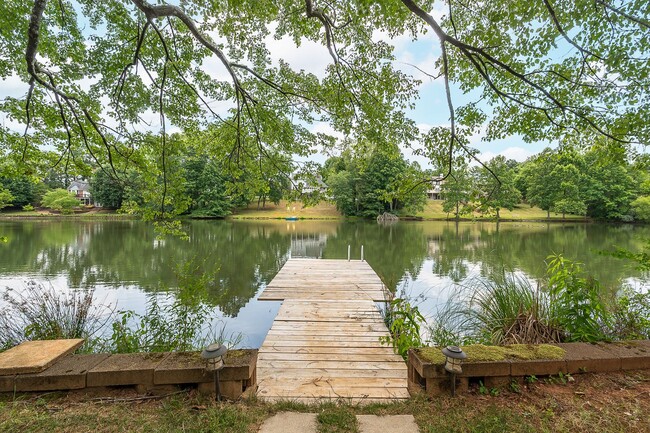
[324, 342]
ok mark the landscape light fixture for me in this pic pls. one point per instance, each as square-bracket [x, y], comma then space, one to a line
[454, 356]
[213, 354]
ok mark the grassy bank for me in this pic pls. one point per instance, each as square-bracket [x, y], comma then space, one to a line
[324, 211]
[592, 403]
[94, 214]
[432, 211]
[284, 209]
[522, 212]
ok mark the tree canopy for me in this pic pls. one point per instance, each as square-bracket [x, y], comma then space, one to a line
[98, 72]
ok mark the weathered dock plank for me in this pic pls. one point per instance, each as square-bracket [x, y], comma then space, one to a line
[325, 340]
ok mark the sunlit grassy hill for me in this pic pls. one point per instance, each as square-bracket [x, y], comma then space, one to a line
[433, 210]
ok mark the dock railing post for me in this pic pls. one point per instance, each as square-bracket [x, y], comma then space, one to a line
[348, 253]
[362, 253]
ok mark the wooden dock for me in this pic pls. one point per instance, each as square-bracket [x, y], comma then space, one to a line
[324, 342]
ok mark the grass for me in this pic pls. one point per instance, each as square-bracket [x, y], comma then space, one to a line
[615, 402]
[322, 210]
[94, 213]
[433, 211]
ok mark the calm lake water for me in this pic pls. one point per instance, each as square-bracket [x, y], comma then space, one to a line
[424, 260]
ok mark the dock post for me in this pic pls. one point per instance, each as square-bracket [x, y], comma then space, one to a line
[348, 253]
[362, 253]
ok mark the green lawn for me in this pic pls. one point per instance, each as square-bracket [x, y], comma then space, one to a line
[615, 402]
[433, 210]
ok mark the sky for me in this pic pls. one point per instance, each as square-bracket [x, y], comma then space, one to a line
[416, 58]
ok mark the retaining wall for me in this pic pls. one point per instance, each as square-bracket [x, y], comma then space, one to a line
[145, 371]
[431, 378]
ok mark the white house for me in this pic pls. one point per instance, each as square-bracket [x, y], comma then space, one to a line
[81, 190]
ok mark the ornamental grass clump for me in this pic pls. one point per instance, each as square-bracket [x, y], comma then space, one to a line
[42, 312]
[511, 311]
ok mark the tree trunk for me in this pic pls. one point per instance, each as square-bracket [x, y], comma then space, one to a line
[548, 213]
[498, 214]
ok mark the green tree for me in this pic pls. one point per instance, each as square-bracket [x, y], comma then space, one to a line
[5, 197]
[609, 187]
[505, 57]
[60, 200]
[456, 191]
[22, 188]
[495, 186]
[106, 190]
[641, 208]
[343, 189]
[206, 187]
[539, 182]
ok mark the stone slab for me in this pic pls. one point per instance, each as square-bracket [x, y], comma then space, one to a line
[483, 369]
[7, 383]
[538, 367]
[635, 355]
[589, 358]
[239, 365]
[67, 373]
[35, 356]
[181, 368]
[290, 422]
[383, 424]
[126, 369]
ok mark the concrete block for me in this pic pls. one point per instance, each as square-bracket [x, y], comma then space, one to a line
[542, 367]
[497, 381]
[35, 356]
[125, 369]
[7, 383]
[635, 355]
[181, 368]
[239, 364]
[67, 373]
[482, 369]
[589, 358]
[436, 386]
[390, 423]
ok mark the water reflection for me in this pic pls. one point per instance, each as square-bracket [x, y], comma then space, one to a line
[424, 257]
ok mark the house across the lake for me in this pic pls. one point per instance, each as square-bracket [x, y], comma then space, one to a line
[81, 190]
[433, 192]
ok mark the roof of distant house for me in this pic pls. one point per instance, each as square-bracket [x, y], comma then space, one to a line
[80, 184]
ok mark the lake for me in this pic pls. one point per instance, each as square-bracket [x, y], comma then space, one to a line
[425, 261]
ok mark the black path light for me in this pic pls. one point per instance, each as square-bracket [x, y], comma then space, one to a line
[213, 354]
[454, 357]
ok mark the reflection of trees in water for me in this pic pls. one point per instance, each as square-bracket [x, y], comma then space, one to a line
[126, 252]
[244, 255]
[524, 247]
[393, 250]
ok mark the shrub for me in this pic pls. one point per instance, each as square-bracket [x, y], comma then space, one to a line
[576, 304]
[60, 200]
[641, 208]
[630, 319]
[403, 321]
